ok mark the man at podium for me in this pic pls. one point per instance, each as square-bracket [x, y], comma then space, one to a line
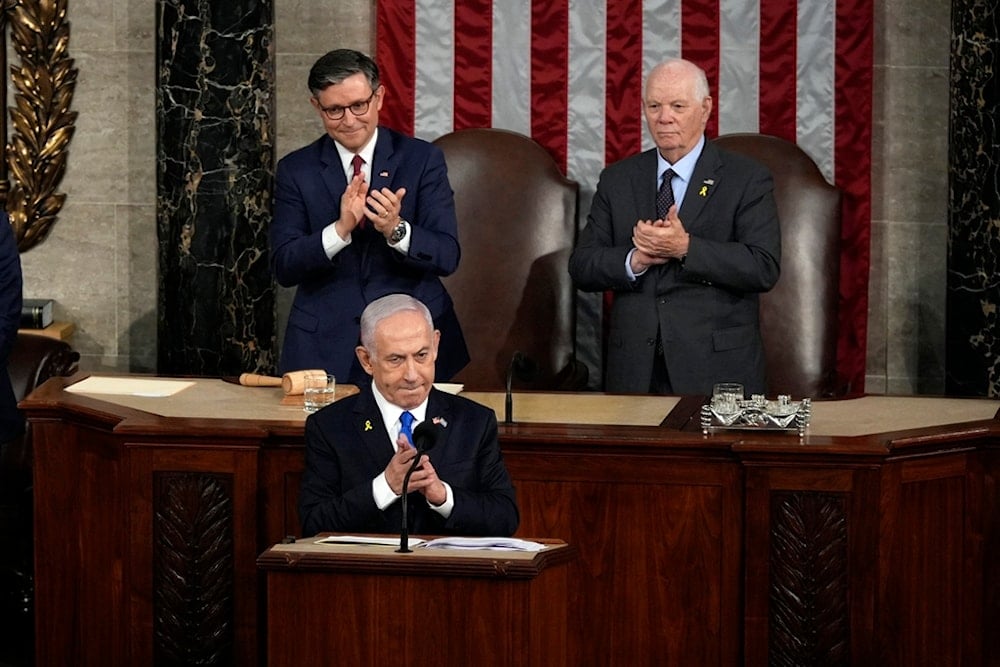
[359, 449]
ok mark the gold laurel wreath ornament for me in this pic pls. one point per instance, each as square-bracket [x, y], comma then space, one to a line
[41, 119]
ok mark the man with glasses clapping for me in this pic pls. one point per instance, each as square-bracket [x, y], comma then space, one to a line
[361, 212]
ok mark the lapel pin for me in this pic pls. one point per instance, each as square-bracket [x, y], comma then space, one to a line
[368, 425]
[383, 174]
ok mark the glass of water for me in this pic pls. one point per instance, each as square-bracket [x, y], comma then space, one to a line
[319, 390]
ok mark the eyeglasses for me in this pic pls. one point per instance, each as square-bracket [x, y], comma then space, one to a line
[358, 108]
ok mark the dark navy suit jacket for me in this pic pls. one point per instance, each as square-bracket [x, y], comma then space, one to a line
[11, 419]
[707, 308]
[347, 447]
[323, 324]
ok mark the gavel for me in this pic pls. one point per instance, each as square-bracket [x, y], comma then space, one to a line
[292, 383]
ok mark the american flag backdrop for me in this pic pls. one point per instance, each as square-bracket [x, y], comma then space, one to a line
[570, 75]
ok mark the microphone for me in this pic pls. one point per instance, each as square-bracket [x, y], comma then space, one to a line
[425, 436]
[522, 366]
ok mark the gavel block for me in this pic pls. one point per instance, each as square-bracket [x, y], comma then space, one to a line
[292, 383]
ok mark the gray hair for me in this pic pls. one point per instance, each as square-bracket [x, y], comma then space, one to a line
[697, 74]
[387, 306]
[339, 64]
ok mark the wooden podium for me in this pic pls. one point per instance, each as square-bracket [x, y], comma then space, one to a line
[342, 604]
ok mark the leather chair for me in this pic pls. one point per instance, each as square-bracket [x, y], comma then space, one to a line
[799, 317]
[33, 360]
[517, 226]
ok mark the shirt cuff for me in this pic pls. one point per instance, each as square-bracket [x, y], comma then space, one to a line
[628, 267]
[332, 243]
[382, 493]
[445, 508]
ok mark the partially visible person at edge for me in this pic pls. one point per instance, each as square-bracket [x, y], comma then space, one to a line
[11, 419]
[357, 452]
[344, 240]
[685, 283]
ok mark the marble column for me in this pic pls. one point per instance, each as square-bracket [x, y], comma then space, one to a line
[973, 326]
[215, 155]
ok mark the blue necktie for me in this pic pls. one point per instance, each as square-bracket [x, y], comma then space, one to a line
[406, 419]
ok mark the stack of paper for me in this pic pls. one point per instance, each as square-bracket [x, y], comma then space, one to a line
[491, 543]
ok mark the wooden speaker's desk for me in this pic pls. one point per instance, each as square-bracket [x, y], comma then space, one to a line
[337, 604]
[874, 539]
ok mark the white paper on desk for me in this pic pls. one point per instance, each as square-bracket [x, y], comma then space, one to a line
[123, 386]
[489, 543]
[378, 541]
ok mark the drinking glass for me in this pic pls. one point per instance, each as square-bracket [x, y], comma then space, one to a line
[726, 397]
[319, 390]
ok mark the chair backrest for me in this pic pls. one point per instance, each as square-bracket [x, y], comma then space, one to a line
[512, 291]
[799, 316]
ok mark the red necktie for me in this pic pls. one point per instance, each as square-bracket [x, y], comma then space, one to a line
[356, 162]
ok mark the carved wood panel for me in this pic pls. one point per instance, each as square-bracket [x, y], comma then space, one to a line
[193, 580]
[808, 611]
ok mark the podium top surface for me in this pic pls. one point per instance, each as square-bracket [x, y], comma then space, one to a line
[306, 555]
[214, 399]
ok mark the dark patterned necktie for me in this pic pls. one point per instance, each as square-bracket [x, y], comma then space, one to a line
[665, 196]
[406, 419]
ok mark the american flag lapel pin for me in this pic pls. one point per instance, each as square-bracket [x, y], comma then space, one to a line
[383, 174]
[708, 182]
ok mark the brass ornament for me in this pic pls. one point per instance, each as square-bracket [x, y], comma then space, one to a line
[41, 121]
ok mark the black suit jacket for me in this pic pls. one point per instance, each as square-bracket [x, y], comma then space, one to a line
[347, 446]
[706, 309]
[11, 419]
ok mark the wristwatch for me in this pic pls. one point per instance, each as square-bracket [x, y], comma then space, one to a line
[399, 233]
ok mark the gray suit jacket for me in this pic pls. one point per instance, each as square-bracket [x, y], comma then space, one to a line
[706, 308]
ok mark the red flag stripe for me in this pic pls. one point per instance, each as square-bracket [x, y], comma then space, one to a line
[396, 56]
[700, 44]
[549, 82]
[624, 83]
[778, 37]
[473, 64]
[852, 163]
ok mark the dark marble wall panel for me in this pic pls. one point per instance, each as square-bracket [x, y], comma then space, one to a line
[973, 328]
[215, 154]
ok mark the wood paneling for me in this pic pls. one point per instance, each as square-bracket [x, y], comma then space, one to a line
[707, 550]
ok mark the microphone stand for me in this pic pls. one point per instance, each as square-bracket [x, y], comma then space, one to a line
[526, 370]
[404, 534]
[516, 362]
[425, 435]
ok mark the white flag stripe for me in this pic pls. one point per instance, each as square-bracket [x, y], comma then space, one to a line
[511, 103]
[661, 39]
[586, 96]
[434, 108]
[737, 101]
[815, 95]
